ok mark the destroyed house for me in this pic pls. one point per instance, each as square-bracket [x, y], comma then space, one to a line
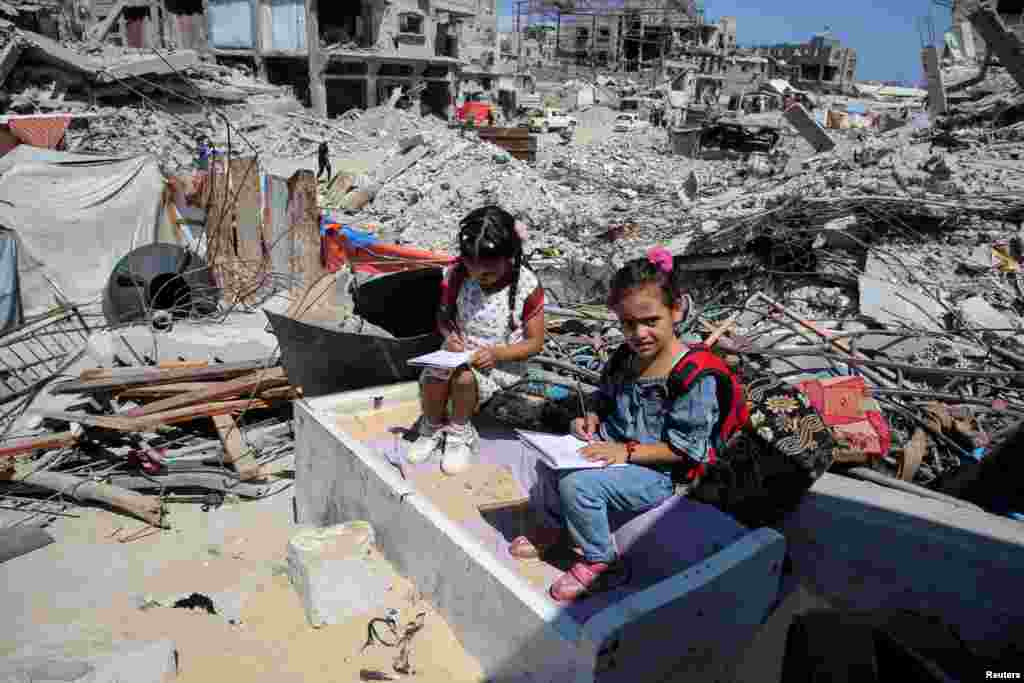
[821, 62]
[336, 55]
[1010, 11]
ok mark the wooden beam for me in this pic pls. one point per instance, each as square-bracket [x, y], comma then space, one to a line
[144, 507]
[304, 219]
[150, 422]
[235, 453]
[263, 379]
[37, 443]
[100, 31]
[127, 377]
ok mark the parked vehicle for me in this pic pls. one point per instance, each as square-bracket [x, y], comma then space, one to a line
[625, 123]
[478, 106]
[551, 120]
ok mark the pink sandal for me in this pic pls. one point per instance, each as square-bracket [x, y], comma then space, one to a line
[523, 548]
[585, 578]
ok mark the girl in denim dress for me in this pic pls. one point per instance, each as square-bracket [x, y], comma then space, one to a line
[631, 423]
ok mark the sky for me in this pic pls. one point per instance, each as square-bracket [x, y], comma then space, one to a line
[884, 32]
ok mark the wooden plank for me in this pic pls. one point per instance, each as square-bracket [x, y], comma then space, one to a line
[144, 507]
[37, 443]
[286, 393]
[235, 453]
[127, 377]
[245, 266]
[100, 31]
[263, 379]
[304, 219]
[149, 422]
[163, 390]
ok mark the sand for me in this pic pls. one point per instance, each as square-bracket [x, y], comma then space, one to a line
[246, 559]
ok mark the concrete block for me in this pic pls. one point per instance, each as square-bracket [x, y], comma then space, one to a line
[138, 662]
[334, 574]
[936, 88]
[899, 306]
[966, 34]
[809, 128]
[1006, 45]
[981, 314]
[841, 233]
[407, 143]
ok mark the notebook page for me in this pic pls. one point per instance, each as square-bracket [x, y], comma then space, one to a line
[448, 360]
[559, 451]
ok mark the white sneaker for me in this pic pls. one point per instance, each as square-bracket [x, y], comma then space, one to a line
[460, 447]
[428, 442]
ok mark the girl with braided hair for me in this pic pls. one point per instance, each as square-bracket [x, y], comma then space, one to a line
[493, 305]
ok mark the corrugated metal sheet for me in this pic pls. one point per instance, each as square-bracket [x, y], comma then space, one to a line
[232, 24]
[288, 25]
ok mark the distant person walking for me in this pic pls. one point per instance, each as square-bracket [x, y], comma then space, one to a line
[323, 161]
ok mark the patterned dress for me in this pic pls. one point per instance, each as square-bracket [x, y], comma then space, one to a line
[482, 318]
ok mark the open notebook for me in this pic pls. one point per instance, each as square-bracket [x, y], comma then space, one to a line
[446, 360]
[559, 451]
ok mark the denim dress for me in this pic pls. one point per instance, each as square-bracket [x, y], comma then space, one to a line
[631, 409]
[637, 409]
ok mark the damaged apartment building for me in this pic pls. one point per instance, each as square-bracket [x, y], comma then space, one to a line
[820, 64]
[1010, 11]
[360, 50]
[365, 49]
[336, 55]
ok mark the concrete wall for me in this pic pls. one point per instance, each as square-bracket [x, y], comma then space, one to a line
[695, 621]
[867, 546]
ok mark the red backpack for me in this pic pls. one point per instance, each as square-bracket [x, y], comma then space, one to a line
[696, 364]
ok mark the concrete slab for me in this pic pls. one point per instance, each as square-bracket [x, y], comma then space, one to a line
[981, 314]
[809, 128]
[334, 573]
[936, 89]
[899, 306]
[135, 661]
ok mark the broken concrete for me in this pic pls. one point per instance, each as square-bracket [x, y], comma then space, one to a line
[334, 573]
[898, 306]
[1000, 40]
[809, 128]
[936, 89]
[137, 662]
[980, 314]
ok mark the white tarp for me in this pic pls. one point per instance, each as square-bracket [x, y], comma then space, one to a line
[75, 218]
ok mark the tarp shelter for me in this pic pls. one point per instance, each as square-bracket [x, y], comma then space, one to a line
[74, 218]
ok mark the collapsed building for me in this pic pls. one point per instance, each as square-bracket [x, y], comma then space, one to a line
[336, 56]
[1010, 11]
[820, 63]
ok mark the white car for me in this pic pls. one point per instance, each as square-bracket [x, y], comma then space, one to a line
[625, 123]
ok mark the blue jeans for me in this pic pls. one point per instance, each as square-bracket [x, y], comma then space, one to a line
[586, 496]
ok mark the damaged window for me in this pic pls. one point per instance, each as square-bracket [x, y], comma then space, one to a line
[410, 23]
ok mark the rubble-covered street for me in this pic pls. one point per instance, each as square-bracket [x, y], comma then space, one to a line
[205, 234]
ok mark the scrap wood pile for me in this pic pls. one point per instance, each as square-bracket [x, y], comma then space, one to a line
[221, 429]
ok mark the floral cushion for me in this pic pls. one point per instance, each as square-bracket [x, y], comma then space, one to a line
[767, 467]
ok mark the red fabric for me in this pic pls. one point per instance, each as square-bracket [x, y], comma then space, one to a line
[40, 131]
[844, 406]
[534, 304]
[336, 252]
